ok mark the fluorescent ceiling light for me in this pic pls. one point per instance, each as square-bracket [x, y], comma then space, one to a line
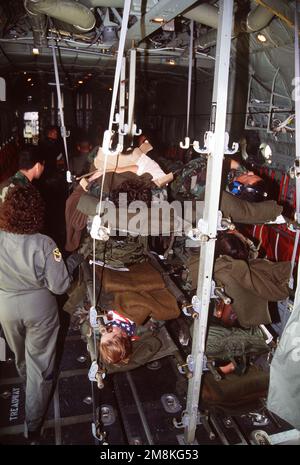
[261, 38]
[158, 20]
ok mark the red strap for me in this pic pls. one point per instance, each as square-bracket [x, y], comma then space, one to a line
[286, 187]
[280, 187]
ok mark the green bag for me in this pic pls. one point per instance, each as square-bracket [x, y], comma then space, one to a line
[234, 395]
[117, 251]
[227, 344]
[190, 182]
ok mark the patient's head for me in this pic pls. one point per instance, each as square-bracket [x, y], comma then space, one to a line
[248, 186]
[115, 346]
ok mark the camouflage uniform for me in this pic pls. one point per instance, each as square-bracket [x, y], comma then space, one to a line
[190, 183]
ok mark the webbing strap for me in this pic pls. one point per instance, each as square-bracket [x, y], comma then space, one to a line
[276, 247]
[121, 48]
[124, 26]
[61, 111]
[191, 50]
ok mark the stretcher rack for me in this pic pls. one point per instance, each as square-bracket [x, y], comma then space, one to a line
[97, 373]
[143, 406]
[210, 217]
[215, 151]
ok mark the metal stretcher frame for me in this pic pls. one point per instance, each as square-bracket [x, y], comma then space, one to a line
[210, 217]
[297, 146]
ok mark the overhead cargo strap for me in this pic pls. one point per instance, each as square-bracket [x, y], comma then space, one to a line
[63, 130]
[106, 145]
[131, 99]
[132, 128]
[186, 143]
[98, 231]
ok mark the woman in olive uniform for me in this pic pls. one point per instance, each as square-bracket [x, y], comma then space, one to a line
[31, 269]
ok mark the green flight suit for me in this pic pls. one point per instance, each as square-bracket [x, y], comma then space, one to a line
[31, 269]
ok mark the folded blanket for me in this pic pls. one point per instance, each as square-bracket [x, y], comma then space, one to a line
[139, 293]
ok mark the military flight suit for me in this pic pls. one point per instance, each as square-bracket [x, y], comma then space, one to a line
[18, 179]
[31, 268]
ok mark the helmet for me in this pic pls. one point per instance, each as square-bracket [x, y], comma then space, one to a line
[252, 193]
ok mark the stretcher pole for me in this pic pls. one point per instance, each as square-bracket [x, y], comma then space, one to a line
[63, 130]
[122, 101]
[186, 143]
[210, 216]
[131, 95]
[297, 113]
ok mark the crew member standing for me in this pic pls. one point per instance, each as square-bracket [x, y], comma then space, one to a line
[31, 269]
[31, 166]
[53, 185]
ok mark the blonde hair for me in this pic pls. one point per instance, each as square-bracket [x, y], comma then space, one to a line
[115, 347]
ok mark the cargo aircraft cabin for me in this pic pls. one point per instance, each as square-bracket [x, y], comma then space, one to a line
[149, 224]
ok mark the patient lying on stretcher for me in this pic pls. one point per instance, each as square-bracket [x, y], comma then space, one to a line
[126, 348]
[115, 346]
[140, 299]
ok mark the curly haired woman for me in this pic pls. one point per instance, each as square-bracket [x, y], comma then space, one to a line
[31, 269]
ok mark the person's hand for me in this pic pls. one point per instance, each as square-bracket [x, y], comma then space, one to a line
[83, 182]
[73, 261]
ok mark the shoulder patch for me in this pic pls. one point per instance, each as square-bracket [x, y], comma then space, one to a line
[57, 255]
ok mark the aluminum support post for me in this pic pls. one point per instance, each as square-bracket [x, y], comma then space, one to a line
[210, 216]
